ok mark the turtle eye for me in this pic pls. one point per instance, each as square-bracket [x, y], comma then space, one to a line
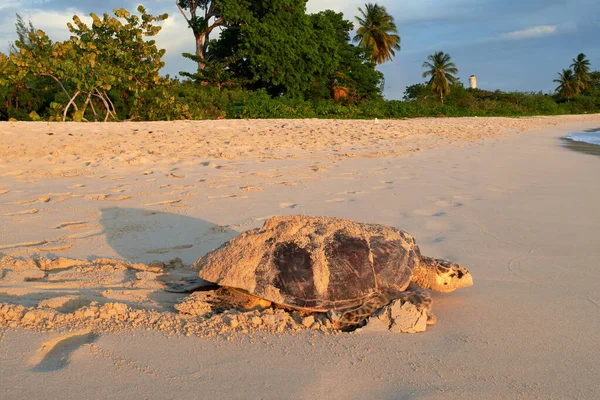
[441, 269]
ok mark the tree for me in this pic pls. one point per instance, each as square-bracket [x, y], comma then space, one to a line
[594, 86]
[440, 69]
[378, 32]
[22, 94]
[23, 31]
[201, 25]
[581, 68]
[270, 44]
[417, 91]
[567, 84]
[5, 92]
[109, 54]
[274, 45]
[354, 77]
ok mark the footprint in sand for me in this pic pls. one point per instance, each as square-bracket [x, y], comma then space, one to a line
[23, 244]
[220, 186]
[219, 229]
[387, 187]
[52, 247]
[106, 197]
[66, 197]
[55, 354]
[24, 212]
[71, 225]
[211, 165]
[109, 198]
[164, 203]
[282, 183]
[351, 192]
[147, 213]
[251, 188]
[100, 196]
[227, 196]
[448, 203]
[2, 191]
[22, 202]
[429, 213]
[288, 205]
[77, 186]
[338, 200]
[442, 203]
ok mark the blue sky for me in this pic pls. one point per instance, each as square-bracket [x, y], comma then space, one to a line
[508, 44]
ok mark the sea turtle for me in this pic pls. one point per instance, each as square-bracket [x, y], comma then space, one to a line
[324, 264]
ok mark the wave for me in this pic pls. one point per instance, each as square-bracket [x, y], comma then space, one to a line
[585, 137]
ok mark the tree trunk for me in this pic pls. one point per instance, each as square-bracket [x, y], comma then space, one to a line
[200, 50]
[442, 96]
[72, 101]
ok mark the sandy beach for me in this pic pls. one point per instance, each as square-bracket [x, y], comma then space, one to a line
[95, 219]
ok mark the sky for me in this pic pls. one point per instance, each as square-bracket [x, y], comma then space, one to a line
[511, 45]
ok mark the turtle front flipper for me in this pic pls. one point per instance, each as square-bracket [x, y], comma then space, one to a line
[355, 318]
[189, 285]
[407, 311]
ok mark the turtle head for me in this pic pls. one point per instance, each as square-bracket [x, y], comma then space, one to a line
[441, 275]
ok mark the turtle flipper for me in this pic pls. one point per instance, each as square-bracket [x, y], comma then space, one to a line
[189, 285]
[358, 317]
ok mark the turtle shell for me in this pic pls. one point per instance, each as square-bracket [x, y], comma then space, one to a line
[314, 263]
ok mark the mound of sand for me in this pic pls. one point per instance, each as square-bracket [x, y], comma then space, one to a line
[94, 285]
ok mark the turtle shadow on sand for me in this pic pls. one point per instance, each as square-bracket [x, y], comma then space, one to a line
[138, 236]
[142, 235]
[145, 236]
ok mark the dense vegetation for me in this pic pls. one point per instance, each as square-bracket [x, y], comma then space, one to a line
[271, 60]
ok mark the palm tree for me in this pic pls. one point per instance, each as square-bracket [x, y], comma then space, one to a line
[567, 84]
[581, 67]
[440, 70]
[378, 32]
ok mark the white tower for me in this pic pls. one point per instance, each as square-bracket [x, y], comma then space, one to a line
[473, 82]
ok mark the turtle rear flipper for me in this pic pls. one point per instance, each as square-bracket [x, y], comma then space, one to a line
[189, 285]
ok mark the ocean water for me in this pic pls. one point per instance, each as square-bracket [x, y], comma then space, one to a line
[586, 142]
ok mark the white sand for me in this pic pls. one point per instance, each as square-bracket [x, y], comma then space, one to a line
[502, 196]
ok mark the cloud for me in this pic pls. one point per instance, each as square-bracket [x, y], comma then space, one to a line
[532, 33]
